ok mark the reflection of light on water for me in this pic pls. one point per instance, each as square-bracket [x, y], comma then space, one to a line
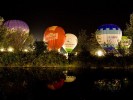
[70, 78]
[110, 85]
[56, 84]
[65, 72]
[126, 81]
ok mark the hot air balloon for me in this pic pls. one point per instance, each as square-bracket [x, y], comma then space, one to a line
[108, 36]
[17, 25]
[54, 36]
[70, 42]
[125, 42]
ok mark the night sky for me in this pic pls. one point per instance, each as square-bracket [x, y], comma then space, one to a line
[69, 14]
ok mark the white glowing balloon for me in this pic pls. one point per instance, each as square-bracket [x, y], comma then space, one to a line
[70, 42]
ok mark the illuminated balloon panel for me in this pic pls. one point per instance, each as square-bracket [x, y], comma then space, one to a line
[55, 37]
[109, 35]
[16, 25]
[125, 42]
[70, 42]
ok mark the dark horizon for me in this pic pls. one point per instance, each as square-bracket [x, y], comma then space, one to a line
[70, 15]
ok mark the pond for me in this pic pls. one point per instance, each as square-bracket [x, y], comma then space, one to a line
[80, 85]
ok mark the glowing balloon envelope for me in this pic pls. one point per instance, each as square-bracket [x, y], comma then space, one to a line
[17, 25]
[55, 37]
[70, 42]
[125, 42]
[108, 36]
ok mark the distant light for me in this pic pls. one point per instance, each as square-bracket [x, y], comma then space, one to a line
[76, 53]
[25, 50]
[2, 49]
[99, 53]
[10, 49]
[66, 54]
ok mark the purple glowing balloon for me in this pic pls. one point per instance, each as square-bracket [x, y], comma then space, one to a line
[16, 25]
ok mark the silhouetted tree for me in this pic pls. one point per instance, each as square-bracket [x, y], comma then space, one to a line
[3, 31]
[18, 41]
[1, 20]
[129, 32]
[93, 44]
[83, 41]
[40, 47]
[87, 42]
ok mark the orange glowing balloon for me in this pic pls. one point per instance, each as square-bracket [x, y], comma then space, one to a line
[54, 36]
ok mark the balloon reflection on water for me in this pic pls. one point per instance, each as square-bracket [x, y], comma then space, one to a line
[111, 85]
